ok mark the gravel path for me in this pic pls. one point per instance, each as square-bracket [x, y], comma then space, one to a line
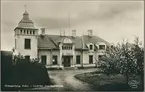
[66, 79]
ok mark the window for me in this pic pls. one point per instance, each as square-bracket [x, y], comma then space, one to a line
[27, 57]
[91, 47]
[67, 47]
[43, 59]
[78, 59]
[102, 47]
[90, 59]
[54, 60]
[27, 43]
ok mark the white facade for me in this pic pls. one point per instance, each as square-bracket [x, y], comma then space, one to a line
[20, 45]
[57, 51]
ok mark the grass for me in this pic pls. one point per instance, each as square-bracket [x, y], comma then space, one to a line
[103, 82]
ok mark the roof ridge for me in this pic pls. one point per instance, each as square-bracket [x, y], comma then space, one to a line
[59, 35]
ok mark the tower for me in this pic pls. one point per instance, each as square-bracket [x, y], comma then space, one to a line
[26, 37]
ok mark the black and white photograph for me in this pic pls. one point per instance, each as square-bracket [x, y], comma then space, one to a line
[72, 45]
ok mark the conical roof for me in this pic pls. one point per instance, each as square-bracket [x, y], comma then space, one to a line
[26, 22]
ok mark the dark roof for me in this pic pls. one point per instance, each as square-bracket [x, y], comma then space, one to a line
[93, 39]
[52, 41]
[25, 21]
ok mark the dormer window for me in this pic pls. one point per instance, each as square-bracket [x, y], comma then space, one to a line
[101, 47]
[67, 47]
[91, 47]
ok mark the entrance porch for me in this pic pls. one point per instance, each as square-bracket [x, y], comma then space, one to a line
[67, 61]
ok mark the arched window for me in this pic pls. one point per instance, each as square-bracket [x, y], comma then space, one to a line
[91, 47]
[67, 40]
[102, 47]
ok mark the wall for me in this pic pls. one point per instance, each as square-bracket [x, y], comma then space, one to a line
[47, 53]
[57, 53]
[85, 57]
[77, 53]
[20, 46]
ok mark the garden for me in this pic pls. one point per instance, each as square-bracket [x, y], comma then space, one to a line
[122, 68]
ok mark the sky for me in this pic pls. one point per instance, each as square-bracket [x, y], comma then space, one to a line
[111, 20]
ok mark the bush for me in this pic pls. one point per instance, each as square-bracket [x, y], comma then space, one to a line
[29, 73]
[126, 58]
[6, 67]
[22, 72]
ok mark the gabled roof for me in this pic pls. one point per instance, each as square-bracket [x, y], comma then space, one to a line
[52, 41]
[93, 39]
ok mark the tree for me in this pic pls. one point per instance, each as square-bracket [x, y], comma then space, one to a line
[125, 58]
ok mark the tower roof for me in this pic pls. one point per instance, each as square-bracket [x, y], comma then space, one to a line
[26, 22]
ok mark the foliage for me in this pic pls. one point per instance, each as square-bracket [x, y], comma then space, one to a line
[125, 58]
[23, 72]
[6, 67]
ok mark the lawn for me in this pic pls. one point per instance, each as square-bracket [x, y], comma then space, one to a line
[101, 81]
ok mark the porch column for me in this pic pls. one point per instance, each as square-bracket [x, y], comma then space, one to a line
[51, 57]
[60, 60]
[73, 54]
[73, 61]
[60, 56]
[82, 58]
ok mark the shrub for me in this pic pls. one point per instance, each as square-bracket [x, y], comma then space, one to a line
[23, 72]
[6, 67]
[126, 58]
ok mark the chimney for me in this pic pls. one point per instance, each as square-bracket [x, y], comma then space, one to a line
[73, 33]
[90, 33]
[43, 31]
[62, 32]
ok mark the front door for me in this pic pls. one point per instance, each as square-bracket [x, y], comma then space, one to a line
[66, 61]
